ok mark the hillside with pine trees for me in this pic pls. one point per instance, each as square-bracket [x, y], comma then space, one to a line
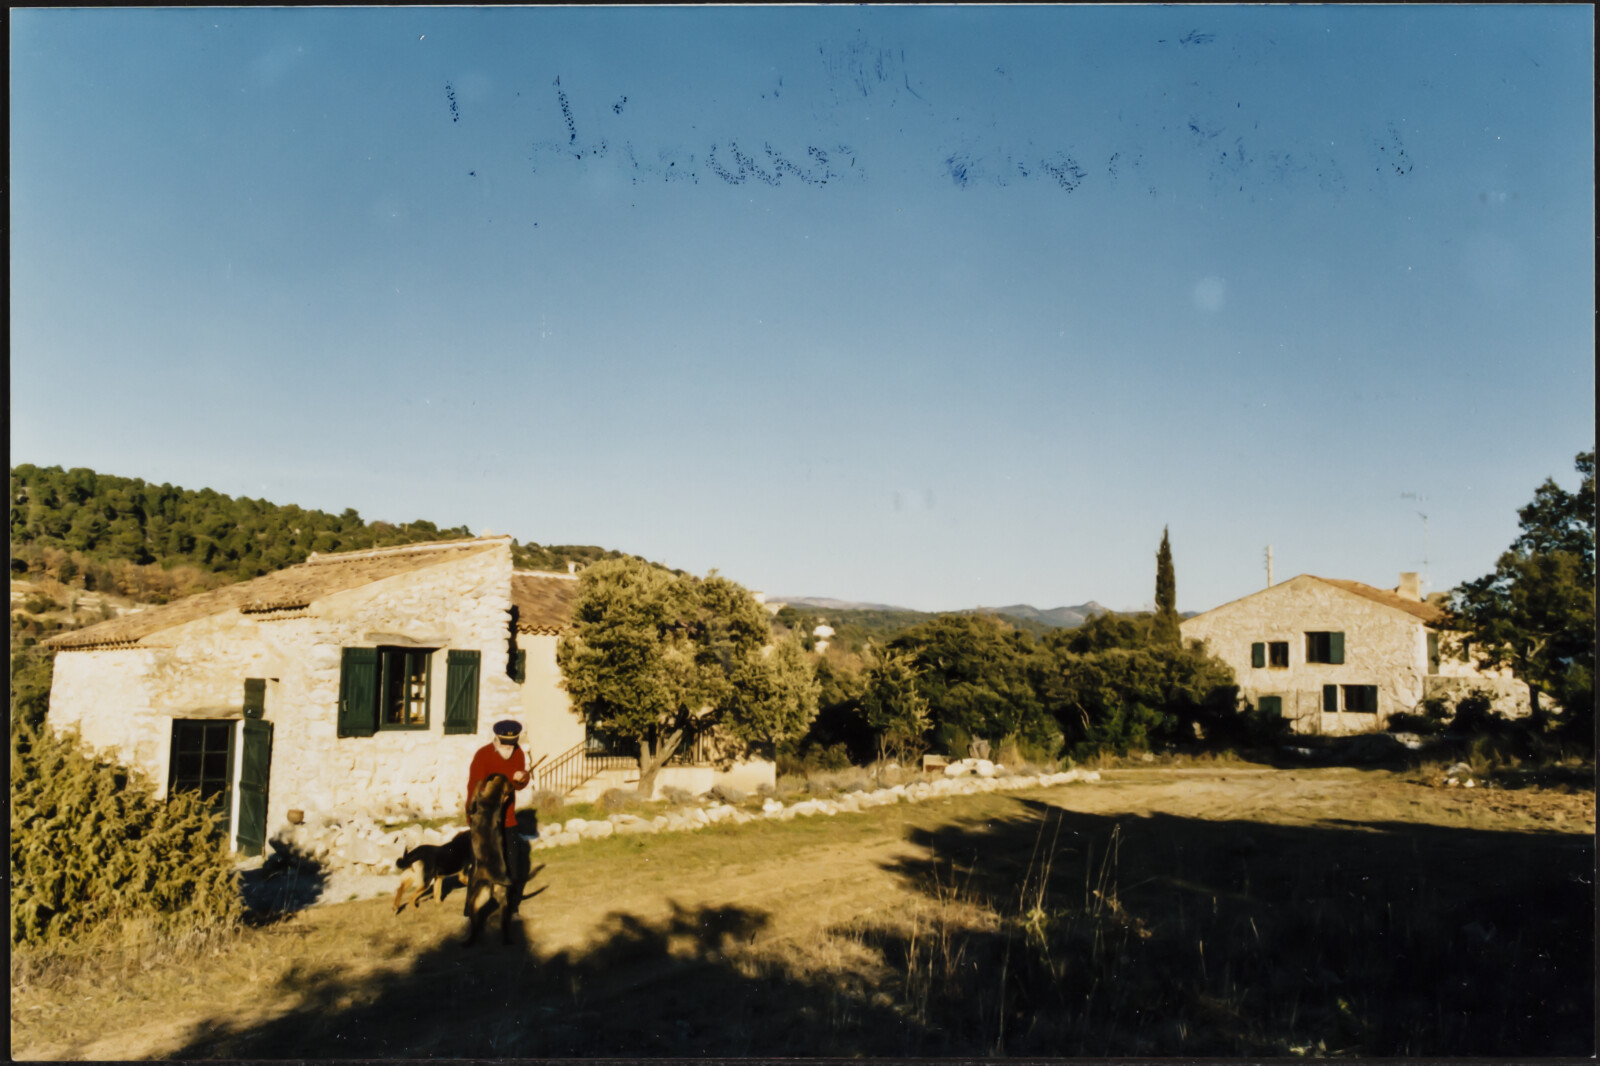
[125, 537]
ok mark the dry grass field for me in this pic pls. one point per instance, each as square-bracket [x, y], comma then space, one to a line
[1209, 911]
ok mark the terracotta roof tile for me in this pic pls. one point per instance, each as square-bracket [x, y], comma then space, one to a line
[1428, 612]
[288, 589]
[543, 602]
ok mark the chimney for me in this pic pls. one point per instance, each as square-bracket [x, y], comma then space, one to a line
[1410, 586]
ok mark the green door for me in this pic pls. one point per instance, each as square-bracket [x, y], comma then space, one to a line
[254, 770]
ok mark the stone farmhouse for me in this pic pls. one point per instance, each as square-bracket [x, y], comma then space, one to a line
[1337, 656]
[355, 682]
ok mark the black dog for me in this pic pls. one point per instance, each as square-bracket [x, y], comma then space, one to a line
[491, 877]
[428, 866]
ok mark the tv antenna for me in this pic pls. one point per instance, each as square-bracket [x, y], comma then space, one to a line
[1269, 566]
[1420, 498]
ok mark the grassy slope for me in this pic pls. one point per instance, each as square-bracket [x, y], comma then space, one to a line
[1227, 911]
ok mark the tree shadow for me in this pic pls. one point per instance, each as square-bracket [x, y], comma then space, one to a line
[1180, 936]
[1048, 933]
[676, 986]
[280, 886]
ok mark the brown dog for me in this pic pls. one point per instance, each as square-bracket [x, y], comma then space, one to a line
[491, 877]
[428, 866]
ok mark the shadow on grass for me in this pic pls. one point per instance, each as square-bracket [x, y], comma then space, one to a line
[1047, 933]
[1178, 936]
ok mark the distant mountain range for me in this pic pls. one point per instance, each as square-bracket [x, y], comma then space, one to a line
[1055, 618]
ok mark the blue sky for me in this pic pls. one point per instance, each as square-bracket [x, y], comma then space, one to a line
[936, 307]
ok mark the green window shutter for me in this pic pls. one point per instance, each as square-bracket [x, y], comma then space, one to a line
[1433, 652]
[254, 775]
[255, 697]
[1336, 648]
[1258, 655]
[519, 666]
[1272, 705]
[1330, 698]
[461, 692]
[358, 692]
[1372, 698]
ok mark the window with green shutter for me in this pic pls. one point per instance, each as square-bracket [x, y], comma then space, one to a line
[405, 675]
[1360, 699]
[518, 666]
[1433, 652]
[1330, 699]
[358, 692]
[1278, 655]
[1258, 655]
[1325, 648]
[461, 691]
[1272, 705]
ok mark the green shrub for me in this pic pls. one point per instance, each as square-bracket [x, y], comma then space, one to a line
[92, 848]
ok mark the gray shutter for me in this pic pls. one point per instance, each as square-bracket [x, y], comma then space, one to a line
[1336, 648]
[461, 692]
[1372, 698]
[1330, 698]
[1258, 655]
[358, 692]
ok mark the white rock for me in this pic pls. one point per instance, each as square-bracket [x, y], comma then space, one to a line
[598, 830]
[699, 816]
[1470, 783]
[771, 806]
[577, 825]
[983, 768]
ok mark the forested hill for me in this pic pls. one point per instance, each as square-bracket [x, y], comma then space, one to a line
[153, 542]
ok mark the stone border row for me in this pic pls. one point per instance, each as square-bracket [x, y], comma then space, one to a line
[361, 845]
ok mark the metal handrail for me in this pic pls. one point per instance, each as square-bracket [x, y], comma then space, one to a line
[575, 766]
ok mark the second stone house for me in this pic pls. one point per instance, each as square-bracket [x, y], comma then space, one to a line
[1338, 656]
[356, 682]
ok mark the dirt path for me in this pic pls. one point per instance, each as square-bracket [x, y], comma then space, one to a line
[652, 916]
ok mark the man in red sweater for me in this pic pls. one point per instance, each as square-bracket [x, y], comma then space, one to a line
[503, 756]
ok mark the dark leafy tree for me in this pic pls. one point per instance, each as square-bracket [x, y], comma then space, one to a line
[1165, 629]
[1535, 612]
[974, 671]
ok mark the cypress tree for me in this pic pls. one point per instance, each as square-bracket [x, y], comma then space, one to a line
[1165, 630]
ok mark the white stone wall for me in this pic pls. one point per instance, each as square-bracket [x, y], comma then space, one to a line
[1383, 646]
[126, 699]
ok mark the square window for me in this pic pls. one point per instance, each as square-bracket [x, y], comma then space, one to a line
[1360, 699]
[1278, 654]
[403, 695]
[1325, 648]
[1272, 705]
